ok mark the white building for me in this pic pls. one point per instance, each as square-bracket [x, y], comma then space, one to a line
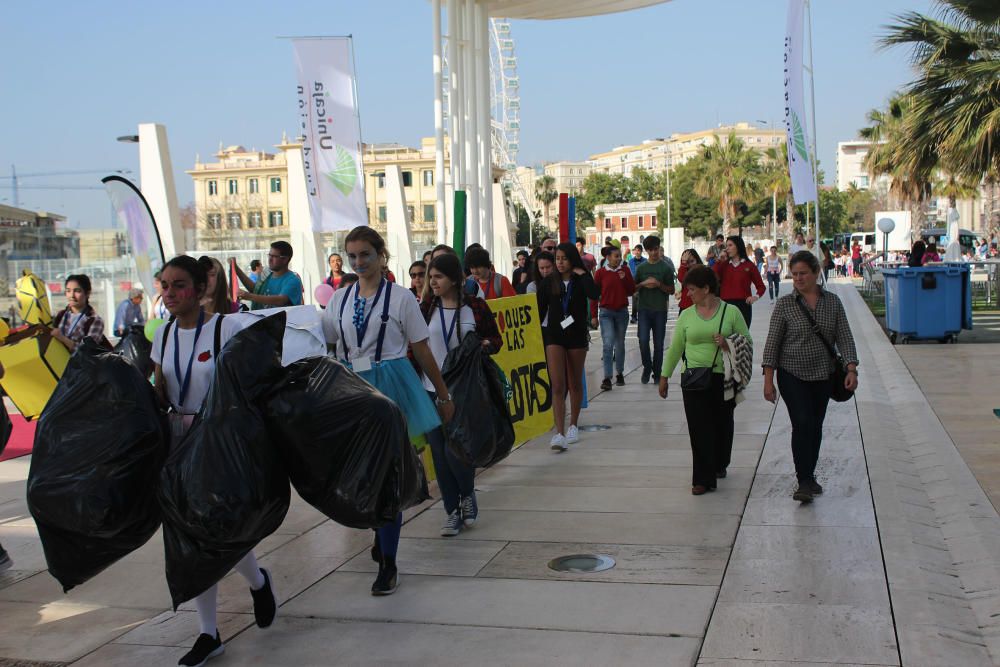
[851, 166]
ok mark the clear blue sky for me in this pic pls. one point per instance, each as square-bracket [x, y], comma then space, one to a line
[77, 74]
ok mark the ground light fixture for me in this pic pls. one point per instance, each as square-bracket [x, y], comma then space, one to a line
[582, 563]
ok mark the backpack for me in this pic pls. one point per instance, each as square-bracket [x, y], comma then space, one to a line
[472, 286]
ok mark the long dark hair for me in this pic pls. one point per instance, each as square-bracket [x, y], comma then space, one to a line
[541, 256]
[190, 266]
[741, 246]
[220, 299]
[694, 253]
[701, 276]
[575, 262]
[916, 254]
[451, 267]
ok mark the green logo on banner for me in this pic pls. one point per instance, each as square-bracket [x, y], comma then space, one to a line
[799, 137]
[345, 173]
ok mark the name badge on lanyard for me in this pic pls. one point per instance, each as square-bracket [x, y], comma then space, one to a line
[447, 332]
[567, 318]
[184, 383]
[364, 363]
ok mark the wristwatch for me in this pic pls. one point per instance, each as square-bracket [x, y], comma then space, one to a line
[442, 401]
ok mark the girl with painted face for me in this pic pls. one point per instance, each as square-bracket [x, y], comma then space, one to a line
[184, 352]
[378, 353]
[78, 320]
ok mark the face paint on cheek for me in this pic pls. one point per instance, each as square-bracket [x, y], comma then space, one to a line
[186, 293]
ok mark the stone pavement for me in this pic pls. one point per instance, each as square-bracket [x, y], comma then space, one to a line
[897, 563]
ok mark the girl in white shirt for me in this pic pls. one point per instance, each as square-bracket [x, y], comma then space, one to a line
[184, 353]
[373, 324]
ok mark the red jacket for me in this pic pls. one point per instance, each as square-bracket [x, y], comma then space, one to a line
[685, 299]
[616, 286]
[736, 281]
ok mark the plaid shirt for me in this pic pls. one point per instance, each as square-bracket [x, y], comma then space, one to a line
[91, 325]
[793, 346]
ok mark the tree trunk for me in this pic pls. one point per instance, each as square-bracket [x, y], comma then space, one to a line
[789, 229]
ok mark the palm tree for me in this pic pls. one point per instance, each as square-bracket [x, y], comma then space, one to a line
[776, 179]
[956, 97]
[900, 150]
[731, 172]
[546, 194]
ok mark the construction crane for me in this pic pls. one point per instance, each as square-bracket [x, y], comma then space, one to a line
[15, 186]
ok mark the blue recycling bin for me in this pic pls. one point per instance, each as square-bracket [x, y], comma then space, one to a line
[928, 302]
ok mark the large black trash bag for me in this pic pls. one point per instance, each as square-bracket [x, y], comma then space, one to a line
[6, 427]
[136, 349]
[481, 432]
[344, 444]
[99, 447]
[223, 488]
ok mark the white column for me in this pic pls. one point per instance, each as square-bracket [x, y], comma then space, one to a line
[397, 228]
[308, 260]
[439, 207]
[470, 127]
[501, 253]
[455, 97]
[156, 177]
[485, 131]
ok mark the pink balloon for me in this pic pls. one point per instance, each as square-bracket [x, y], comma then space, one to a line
[323, 294]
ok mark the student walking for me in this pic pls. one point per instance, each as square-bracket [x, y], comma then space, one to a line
[450, 314]
[796, 353]
[336, 263]
[699, 338]
[562, 301]
[737, 278]
[282, 287]
[654, 281]
[775, 267]
[689, 260]
[184, 352]
[635, 260]
[545, 263]
[484, 282]
[379, 356]
[616, 284]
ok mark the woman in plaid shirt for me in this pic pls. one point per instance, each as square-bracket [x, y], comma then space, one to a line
[804, 365]
[78, 320]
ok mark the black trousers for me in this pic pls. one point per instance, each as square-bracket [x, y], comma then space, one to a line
[710, 425]
[744, 307]
[807, 402]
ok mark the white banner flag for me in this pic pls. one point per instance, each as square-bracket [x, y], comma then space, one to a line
[799, 163]
[328, 117]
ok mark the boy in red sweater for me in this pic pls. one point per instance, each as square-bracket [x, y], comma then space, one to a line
[616, 284]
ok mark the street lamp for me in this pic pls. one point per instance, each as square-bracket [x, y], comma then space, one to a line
[129, 139]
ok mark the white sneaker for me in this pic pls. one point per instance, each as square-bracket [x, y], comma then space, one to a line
[572, 435]
[558, 443]
[452, 525]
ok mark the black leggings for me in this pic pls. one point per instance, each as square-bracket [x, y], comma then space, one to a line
[744, 308]
[710, 425]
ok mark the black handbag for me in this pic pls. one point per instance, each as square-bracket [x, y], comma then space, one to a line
[700, 379]
[838, 391]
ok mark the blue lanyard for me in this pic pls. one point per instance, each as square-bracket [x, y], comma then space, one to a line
[79, 318]
[360, 329]
[566, 297]
[184, 383]
[445, 331]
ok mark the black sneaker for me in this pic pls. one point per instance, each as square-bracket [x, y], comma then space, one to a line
[205, 648]
[606, 384]
[816, 488]
[721, 473]
[804, 493]
[387, 580]
[620, 380]
[6, 562]
[265, 602]
[646, 372]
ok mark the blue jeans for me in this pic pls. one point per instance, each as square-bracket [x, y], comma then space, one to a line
[455, 479]
[613, 326]
[652, 322]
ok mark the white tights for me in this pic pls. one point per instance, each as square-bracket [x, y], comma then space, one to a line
[206, 603]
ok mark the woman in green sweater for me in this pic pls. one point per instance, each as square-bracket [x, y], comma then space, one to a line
[699, 338]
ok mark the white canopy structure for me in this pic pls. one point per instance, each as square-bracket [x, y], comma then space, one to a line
[468, 112]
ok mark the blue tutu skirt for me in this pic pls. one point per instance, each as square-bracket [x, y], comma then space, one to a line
[397, 380]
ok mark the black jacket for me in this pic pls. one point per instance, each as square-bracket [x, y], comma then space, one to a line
[583, 288]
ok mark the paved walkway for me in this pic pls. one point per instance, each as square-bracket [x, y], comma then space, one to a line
[897, 563]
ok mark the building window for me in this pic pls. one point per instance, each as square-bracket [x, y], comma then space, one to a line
[275, 184]
[407, 179]
[233, 187]
[428, 177]
[253, 187]
[624, 222]
[381, 178]
[255, 220]
[409, 214]
[275, 219]
[214, 219]
[235, 220]
[430, 214]
[381, 214]
[642, 221]
[653, 222]
[213, 188]
[607, 223]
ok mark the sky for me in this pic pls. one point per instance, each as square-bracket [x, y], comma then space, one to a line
[75, 75]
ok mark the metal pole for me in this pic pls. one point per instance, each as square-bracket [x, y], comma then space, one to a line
[439, 207]
[774, 217]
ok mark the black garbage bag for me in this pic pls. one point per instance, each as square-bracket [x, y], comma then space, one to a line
[481, 433]
[344, 444]
[6, 427]
[223, 487]
[135, 348]
[99, 447]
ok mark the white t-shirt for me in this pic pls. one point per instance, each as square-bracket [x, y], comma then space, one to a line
[794, 248]
[203, 365]
[406, 325]
[466, 324]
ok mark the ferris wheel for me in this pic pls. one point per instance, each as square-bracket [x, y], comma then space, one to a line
[505, 107]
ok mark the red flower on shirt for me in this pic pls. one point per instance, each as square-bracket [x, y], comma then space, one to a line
[205, 356]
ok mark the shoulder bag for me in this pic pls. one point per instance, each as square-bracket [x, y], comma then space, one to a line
[700, 379]
[838, 391]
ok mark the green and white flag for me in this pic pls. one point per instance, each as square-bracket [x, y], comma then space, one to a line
[328, 119]
[799, 158]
